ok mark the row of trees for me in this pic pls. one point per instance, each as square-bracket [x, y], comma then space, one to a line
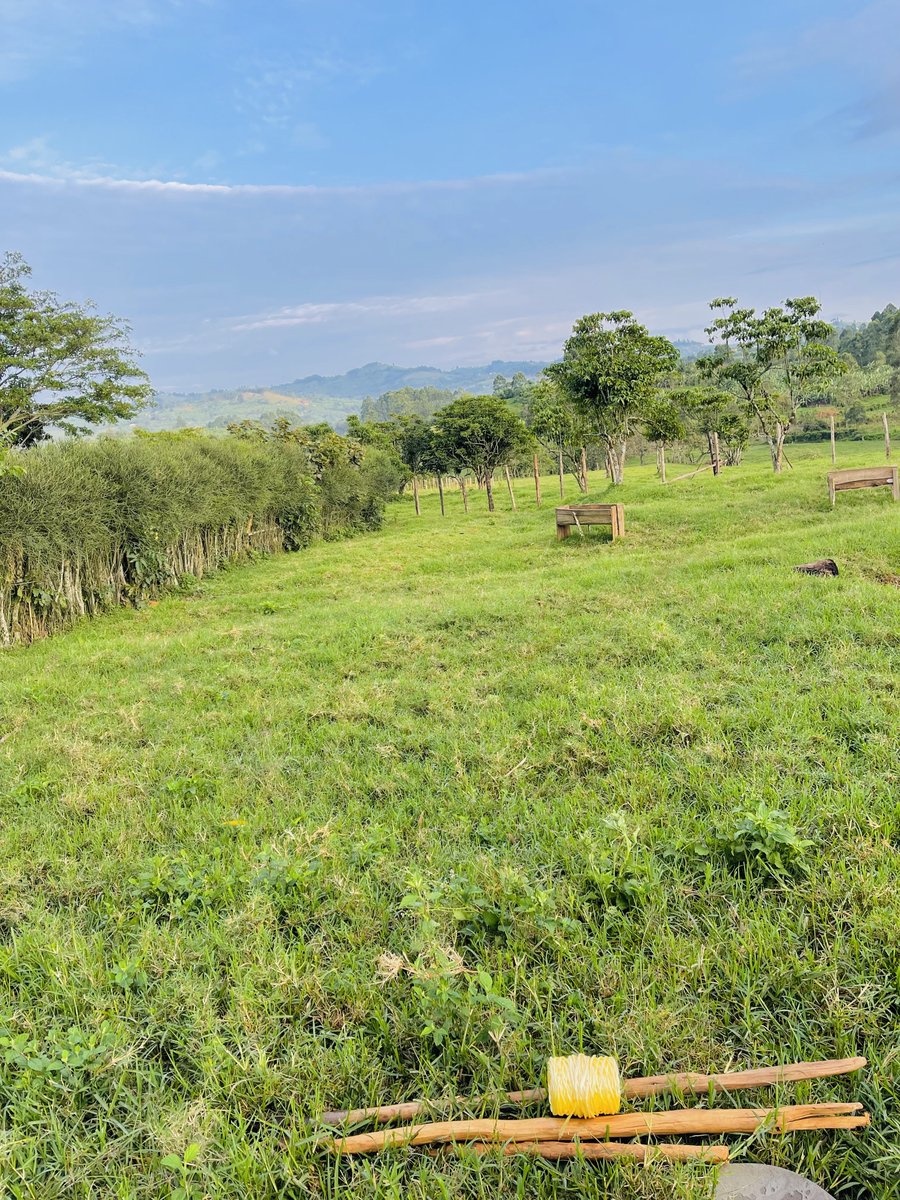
[66, 367]
[615, 380]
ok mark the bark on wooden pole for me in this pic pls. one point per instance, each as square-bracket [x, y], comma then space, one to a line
[462, 488]
[512, 498]
[416, 495]
[583, 468]
[887, 436]
[688, 1082]
[717, 465]
[833, 454]
[662, 461]
[440, 480]
[537, 482]
[683, 1121]
[562, 476]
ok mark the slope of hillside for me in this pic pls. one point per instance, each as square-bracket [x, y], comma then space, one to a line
[318, 397]
[401, 816]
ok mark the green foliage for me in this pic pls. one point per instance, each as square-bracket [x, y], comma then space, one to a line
[879, 336]
[478, 434]
[764, 839]
[61, 365]
[776, 362]
[609, 372]
[421, 402]
[557, 425]
[88, 525]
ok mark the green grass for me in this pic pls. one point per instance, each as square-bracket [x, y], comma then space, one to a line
[403, 815]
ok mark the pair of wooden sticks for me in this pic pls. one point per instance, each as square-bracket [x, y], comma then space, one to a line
[563, 1137]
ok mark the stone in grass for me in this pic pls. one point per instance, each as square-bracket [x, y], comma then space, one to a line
[752, 1181]
[824, 566]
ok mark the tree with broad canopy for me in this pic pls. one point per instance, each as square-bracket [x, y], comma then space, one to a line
[61, 364]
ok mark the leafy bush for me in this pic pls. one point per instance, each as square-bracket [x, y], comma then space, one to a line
[763, 839]
[86, 525]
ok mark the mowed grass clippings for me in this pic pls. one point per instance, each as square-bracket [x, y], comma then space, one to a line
[403, 816]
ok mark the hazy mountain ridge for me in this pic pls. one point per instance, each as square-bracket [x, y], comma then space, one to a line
[332, 398]
[375, 378]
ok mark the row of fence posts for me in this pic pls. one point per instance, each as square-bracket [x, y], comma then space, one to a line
[714, 461]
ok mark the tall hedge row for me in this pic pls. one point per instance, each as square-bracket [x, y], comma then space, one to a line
[86, 525]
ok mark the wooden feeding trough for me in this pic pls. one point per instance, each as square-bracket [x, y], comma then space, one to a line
[576, 516]
[863, 477]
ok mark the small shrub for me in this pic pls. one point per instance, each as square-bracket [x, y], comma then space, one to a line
[764, 840]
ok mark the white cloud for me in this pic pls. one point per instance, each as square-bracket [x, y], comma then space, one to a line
[47, 171]
[383, 307]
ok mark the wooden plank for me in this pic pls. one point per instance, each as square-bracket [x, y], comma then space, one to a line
[850, 485]
[850, 473]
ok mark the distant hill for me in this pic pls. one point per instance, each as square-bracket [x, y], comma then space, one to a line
[331, 398]
[318, 397]
[374, 379]
[691, 350]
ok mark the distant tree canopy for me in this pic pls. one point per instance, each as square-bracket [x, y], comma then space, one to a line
[61, 364]
[517, 391]
[610, 370]
[479, 434]
[775, 362]
[879, 336]
[405, 402]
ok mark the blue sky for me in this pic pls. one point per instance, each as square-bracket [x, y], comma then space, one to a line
[267, 191]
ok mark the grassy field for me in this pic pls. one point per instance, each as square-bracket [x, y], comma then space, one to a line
[403, 815]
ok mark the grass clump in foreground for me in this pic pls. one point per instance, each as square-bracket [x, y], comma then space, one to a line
[403, 816]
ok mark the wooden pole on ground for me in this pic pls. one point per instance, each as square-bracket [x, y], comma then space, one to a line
[717, 465]
[440, 480]
[673, 1151]
[687, 1082]
[683, 1121]
[537, 483]
[833, 455]
[887, 436]
[512, 498]
[416, 495]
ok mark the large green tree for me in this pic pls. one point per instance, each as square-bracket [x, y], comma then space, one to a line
[775, 361]
[62, 365]
[479, 434]
[610, 369]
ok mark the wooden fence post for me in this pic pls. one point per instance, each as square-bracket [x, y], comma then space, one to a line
[887, 436]
[509, 486]
[440, 480]
[537, 483]
[562, 476]
[416, 495]
[462, 488]
[584, 479]
[833, 458]
[662, 461]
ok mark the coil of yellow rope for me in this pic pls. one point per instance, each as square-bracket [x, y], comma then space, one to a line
[583, 1085]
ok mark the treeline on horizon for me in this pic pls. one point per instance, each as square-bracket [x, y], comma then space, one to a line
[89, 524]
[779, 375]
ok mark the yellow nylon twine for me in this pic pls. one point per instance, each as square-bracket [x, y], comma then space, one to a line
[583, 1085]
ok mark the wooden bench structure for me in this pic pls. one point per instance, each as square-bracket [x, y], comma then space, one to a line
[574, 516]
[863, 477]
